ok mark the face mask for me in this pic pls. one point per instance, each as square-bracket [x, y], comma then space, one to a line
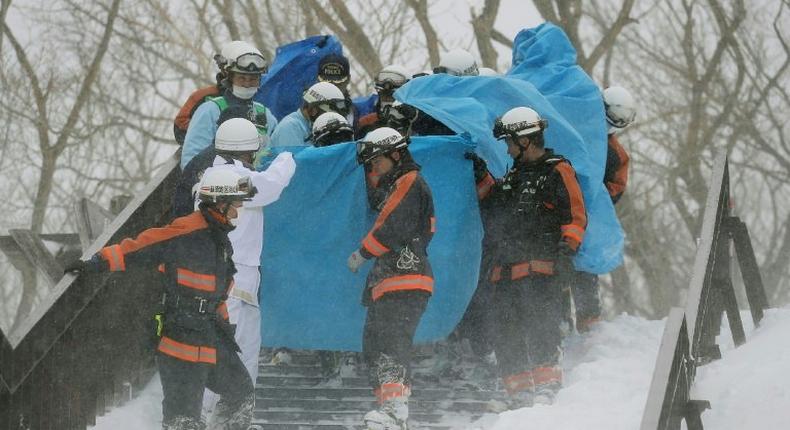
[244, 93]
[235, 221]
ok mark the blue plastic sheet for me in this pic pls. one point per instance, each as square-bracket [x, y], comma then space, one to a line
[545, 77]
[365, 104]
[294, 69]
[309, 298]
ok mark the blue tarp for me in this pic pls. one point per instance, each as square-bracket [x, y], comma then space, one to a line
[309, 298]
[294, 69]
[546, 78]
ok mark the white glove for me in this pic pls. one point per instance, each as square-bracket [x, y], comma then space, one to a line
[354, 261]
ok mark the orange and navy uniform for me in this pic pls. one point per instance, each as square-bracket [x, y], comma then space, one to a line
[540, 203]
[615, 177]
[194, 254]
[181, 123]
[401, 234]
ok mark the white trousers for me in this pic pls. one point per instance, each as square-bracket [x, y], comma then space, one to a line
[247, 317]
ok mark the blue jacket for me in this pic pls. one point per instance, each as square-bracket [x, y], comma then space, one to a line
[293, 130]
[203, 127]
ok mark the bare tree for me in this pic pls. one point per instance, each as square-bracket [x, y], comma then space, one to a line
[709, 77]
[50, 151]
[569, 15]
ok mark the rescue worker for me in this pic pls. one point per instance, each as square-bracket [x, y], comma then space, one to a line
[244, 67]
[236, 144]
[401, 281]
[184, 115]
[387, 81]
[331, 128]
[620, 112]
[540, 209]
[334, 68]
[295, 128]
[196, 349]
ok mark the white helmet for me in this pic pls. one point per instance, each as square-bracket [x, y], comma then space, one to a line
[221, 185]
[487, 71]
[330, 128]
[620, 107]
[457, 62]
[242, 57]
[391, 78]
[326, 96]
[237, 135]
[380, 141]
[519, 121]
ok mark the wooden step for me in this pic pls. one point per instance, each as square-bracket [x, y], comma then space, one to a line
[461, 406]
[359, 393]
[342, 417]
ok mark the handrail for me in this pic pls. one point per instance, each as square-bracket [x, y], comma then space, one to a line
[86, 346]
[689, 338]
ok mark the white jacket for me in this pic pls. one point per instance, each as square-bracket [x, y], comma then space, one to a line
[247, 237]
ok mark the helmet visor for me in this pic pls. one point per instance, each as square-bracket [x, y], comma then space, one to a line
[334, 105]
[250, 63]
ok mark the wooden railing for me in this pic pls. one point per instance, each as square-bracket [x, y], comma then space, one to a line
[89, 345]
[689, 338]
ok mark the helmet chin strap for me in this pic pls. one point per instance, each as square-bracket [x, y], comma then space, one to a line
[522, 148]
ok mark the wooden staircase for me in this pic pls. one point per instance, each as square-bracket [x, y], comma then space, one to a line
[296, 396]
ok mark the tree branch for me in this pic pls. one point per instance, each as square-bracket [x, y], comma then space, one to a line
[607, 42]
[420, 8]
[483, 24]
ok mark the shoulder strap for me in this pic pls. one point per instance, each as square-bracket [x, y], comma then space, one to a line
[220, 101]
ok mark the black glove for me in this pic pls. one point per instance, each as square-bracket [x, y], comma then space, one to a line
[478, 165]
[81, 266]
[564, 264]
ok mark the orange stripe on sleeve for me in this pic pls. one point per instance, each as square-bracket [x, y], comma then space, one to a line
[373, 246]
[573, 232]
[115, 254]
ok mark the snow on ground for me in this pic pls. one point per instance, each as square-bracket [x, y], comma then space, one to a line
[144, 412]
[607, 376]
[749, 388]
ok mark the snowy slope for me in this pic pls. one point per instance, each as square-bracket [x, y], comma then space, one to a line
[607, 376]
[749, 388]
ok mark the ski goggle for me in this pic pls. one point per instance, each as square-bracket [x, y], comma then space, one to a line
[250, 63]
[469, 71]
[388, 81]
[335, 105]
